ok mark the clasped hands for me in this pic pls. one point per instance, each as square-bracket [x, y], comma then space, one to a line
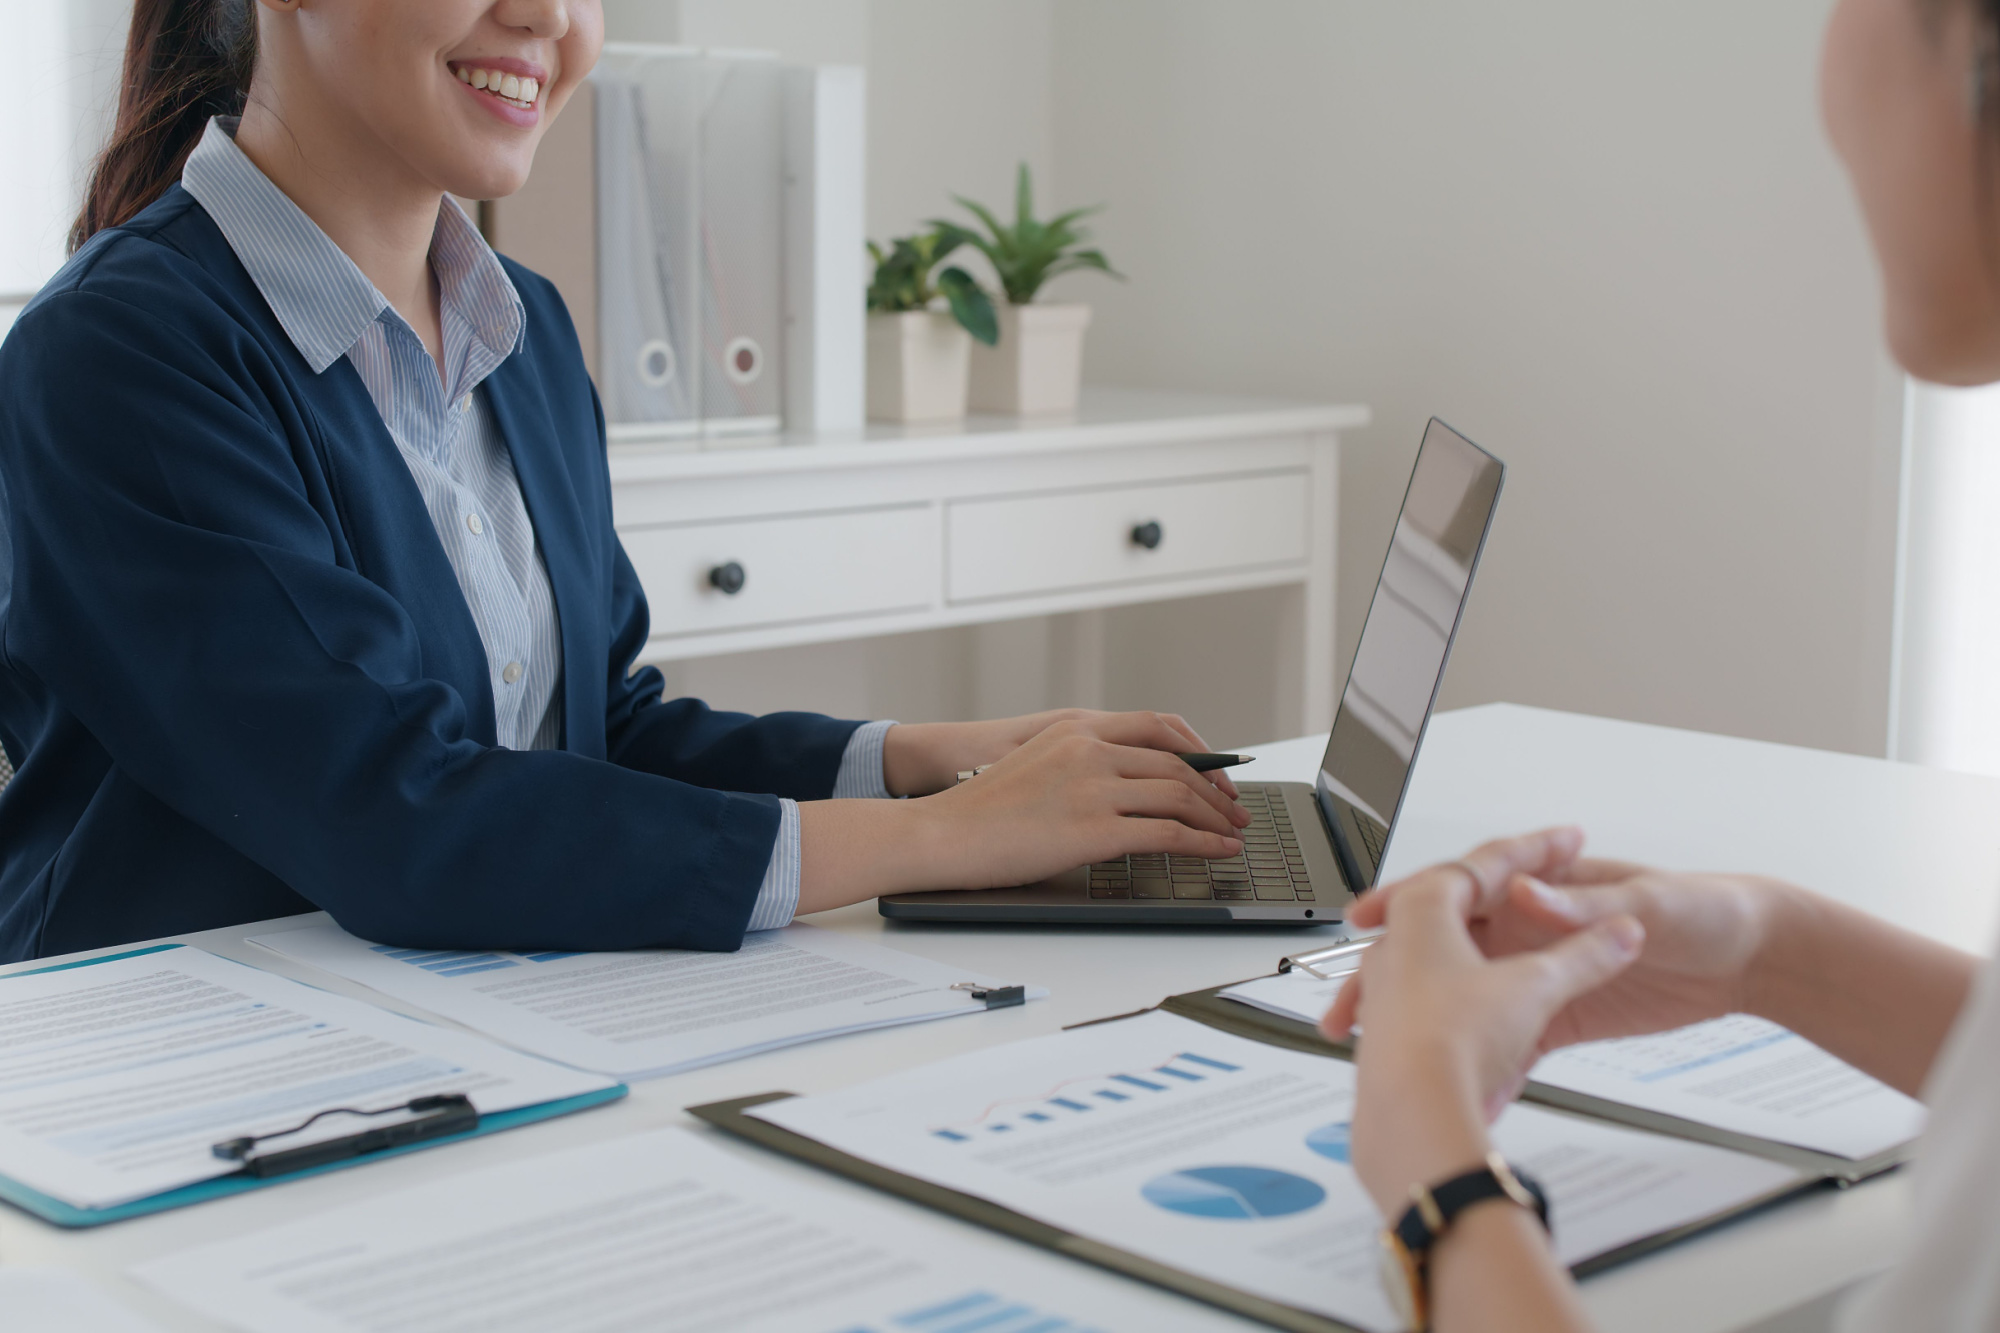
[1523, 946]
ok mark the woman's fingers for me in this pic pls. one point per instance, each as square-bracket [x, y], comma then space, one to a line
[1485, 871]
[1143, 834]
[1578, 963]
[1153, 764]
[1338, 1021]
[1595, 870]
[1169, 798]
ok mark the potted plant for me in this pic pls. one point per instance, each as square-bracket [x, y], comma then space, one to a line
[917, 355]
[1037, 366]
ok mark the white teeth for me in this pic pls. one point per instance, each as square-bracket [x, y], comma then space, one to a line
[518, 91]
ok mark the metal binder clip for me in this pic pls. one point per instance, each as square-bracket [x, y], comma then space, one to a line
[1336, 960]
[996, 997]
[437, 1116]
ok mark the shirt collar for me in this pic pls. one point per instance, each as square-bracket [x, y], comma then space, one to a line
[322, 300]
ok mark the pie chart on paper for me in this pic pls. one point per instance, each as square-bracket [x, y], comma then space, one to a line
[1234, 1192]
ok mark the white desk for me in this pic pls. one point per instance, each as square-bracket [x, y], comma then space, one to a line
[1919, 846]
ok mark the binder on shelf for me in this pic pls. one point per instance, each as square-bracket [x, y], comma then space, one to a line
[701, 213]
[439, 1118]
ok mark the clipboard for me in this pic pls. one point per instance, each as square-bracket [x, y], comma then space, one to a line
[1210, 1007]
[732, 1117]
[64, 1214]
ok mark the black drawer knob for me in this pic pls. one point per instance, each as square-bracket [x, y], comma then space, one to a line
[1148, 535]
[728, 578]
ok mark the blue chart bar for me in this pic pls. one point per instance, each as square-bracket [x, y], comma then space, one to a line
[447, 963]
[1110, 1096]
[1208, 1063]
[1037, 1115]
[1067, 1104]
[1181, 1074]
[949, 1134]
[547, 957]
[982, 1312]
[1138, 1082]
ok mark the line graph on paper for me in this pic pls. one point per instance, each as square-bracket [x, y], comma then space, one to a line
[1082, 1096]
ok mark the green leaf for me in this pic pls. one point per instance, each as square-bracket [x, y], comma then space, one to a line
[1024, 199]
[970, 305]
[1082, 259]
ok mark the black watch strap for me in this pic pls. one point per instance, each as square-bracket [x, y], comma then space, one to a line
[1432, 1210]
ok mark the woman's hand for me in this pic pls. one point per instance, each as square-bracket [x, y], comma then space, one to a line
[925, 757]
[1448, 1033]
[1706, 936]
[1084, 789]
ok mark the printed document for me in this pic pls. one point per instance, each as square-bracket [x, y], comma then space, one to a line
[661, 1232]
[1229, 1158]
[117, 1078]
[1738, 1073]
[44, 1300]
[655, 1011]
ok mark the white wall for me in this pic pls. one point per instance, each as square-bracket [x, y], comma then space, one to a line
[1604, 240]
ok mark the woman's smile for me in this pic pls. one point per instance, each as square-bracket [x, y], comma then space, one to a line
[511, 87]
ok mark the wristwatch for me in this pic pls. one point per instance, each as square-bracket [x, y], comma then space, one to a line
[1406, 1246]
[968, 774]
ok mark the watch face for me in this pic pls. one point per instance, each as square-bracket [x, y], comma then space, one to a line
[1400, 1280]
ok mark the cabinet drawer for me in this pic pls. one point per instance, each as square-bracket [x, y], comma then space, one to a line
[1081, 539]
[795, 568]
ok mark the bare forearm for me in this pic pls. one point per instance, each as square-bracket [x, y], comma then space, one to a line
[1879, 997]
[851, 851]
[1494, 1272]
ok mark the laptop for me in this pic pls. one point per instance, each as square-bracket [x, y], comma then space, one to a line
[1310, 849]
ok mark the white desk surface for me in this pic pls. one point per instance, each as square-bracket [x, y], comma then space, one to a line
[1918, 846]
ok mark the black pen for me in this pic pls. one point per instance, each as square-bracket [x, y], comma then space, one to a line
[1205, 763]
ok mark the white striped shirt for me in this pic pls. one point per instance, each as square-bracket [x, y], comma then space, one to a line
[451, 443]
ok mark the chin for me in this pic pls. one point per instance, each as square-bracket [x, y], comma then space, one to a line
[1960, 357]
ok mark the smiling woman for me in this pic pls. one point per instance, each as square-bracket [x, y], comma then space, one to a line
[309, 590]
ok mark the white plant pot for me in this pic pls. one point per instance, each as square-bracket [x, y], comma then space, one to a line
[1037, 368]
[917, 365]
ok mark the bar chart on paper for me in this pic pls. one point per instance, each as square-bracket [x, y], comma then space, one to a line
[1081, 1096]
[976, 1312]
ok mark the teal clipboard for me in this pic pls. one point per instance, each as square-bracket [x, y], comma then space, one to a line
[62, 1214]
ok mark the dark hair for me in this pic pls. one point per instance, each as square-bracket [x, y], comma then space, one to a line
[185, 61]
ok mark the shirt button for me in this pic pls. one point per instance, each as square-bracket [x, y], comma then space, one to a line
[472, 521]
[465, 403]
[511, 672]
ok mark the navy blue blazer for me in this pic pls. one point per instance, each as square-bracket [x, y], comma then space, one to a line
[238, 679]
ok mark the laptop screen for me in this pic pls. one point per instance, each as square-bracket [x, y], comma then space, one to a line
[1404, 643]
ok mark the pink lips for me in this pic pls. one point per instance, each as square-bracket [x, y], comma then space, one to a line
[520, 117]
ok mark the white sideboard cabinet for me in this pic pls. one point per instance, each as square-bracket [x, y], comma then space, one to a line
[1142, 496]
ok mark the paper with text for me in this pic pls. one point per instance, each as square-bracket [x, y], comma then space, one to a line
[117, 1078]
[661, 1232]
[48, 1300]
[652, 1012]
[1738, 1073]
[1229, 1158]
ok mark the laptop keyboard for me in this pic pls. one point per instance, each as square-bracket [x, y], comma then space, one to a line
[1271, 868]
[1374, 837]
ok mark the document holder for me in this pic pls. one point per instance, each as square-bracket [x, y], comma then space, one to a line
[64, 1214]
[733, 1117]
[1242, 1020]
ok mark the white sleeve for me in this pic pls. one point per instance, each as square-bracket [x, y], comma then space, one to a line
[1946, 1278]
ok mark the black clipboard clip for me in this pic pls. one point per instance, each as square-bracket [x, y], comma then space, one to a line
[996, 997]
[436, 1116]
